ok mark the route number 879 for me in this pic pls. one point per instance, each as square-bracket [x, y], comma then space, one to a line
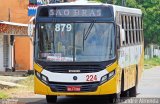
[63, 27]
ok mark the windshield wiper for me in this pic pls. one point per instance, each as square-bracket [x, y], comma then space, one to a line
[83, 38]
[88, 30]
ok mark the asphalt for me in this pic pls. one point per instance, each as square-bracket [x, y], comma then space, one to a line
[149, 86]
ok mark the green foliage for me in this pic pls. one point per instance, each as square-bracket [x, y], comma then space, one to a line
[106, 1]
[151, 17]
[151, 21]
[149, 63]
[3, 95]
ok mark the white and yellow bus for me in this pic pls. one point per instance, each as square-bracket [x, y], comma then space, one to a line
[87, 49]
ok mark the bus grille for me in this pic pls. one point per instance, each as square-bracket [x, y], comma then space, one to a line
[72, 68]
[86, 87]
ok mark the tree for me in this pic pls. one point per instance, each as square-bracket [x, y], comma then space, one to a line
[151, 10]
[151, 17]
[106, 1]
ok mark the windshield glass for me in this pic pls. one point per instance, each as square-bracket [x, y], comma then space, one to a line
[75, 41]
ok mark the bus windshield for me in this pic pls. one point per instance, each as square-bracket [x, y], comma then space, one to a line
[79, 42]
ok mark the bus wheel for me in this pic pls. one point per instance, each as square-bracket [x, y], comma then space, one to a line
[51, 98]
[133, 91]
[113, 98]
[123, 93]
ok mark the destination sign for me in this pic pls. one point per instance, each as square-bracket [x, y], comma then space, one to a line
[75, 12]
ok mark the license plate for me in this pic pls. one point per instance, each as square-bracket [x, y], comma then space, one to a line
[73, 88]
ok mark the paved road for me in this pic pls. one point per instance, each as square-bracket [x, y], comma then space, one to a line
[150, 83]
[148, 87]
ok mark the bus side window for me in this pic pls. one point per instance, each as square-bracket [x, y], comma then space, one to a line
[134, 29]
[136, 21]
[126, 29]
[132, 22]
[122, 32]
[129, 29]
[138, 30]
[122, 21]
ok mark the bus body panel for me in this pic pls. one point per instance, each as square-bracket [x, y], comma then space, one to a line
[112, 86]
[109, 87]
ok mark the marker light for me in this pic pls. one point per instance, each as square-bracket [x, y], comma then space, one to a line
[111, 74]
[38, 75]
[44, 78]
[106, 77]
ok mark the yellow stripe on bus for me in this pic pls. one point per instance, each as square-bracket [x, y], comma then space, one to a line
[112, 67]
[38, 68]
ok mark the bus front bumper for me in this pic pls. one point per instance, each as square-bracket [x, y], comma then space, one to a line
[109, 87]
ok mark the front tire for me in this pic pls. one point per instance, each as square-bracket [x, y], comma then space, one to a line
[113, 98]
[123, 93]
[51, 98]
[133, 91]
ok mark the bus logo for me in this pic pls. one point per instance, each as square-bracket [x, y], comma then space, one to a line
[75, 78]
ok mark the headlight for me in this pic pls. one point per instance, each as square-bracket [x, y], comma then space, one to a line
[104, 79]
[42, 77]
[111, 74]
[107, 77]
[38, 75]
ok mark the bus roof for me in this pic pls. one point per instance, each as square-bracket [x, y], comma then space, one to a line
[126, 9]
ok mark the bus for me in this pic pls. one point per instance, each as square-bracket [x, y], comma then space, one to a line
[87, 49]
